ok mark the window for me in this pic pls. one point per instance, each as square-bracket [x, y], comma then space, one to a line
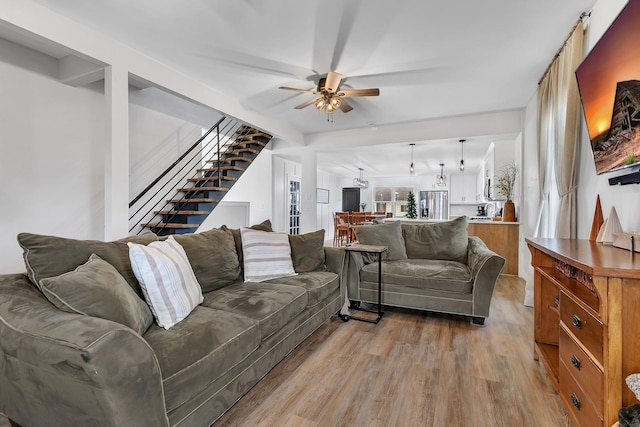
[384, 199]
[393, 200]
[402, 198]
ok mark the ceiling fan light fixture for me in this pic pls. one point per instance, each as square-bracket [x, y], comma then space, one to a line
[330, 96]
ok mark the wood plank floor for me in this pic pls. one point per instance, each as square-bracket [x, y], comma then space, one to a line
[412, 369]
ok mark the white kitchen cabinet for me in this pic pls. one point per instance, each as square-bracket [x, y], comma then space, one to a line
[464, 189]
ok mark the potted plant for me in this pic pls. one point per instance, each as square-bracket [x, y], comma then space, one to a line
[505, 186]
[363, 206]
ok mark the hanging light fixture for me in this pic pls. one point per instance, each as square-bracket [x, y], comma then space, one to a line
[441, 180]
[360, 182]
[462, 155]
[412, 170]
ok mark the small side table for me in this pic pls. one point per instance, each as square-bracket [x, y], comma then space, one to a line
[370, 249]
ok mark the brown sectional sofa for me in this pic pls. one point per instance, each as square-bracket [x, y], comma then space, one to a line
[62, 368]
[434, 267]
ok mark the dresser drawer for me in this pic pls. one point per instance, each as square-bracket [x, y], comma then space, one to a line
[576, 401]
[585, 373]
[586, 328]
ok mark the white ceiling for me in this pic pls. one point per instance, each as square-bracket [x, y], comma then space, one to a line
[430, 59]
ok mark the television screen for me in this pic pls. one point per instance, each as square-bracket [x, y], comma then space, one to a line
[609, 83]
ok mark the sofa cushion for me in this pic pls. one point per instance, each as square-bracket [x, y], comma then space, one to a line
[49, 256]
[307, 251]
[448, 276]
[200, 349]
[97, 289]
[439, 240]
[388, 234]
[213, 257]
[267, 255]
[271, 305]
[167, 280]
[263, 226]
[319, 284]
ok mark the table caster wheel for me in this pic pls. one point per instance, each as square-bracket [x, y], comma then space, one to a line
[345, 317]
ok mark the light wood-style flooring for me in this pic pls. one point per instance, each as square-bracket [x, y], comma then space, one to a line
[412, 369]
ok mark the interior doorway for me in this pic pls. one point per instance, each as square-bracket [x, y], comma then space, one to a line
[351, 199]
[294, 206]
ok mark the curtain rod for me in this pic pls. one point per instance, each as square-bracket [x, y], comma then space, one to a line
[564, 43]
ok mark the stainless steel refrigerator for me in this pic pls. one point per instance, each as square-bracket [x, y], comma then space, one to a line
[434, 205]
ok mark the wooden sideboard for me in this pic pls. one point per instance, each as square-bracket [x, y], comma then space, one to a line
[587, 324]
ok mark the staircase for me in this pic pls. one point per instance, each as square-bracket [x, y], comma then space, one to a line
[201, 190]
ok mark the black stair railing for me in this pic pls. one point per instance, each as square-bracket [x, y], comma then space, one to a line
[212, 146]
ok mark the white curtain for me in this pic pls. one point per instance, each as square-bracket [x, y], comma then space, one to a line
[567, 129]
[558, 132]
[545, 140]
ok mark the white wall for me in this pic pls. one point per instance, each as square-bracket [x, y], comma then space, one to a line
[52, 152]
[626, 199]
[51, 158]
[156, 140]
[325, 211]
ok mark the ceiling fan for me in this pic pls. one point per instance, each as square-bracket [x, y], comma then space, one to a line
[330, 96]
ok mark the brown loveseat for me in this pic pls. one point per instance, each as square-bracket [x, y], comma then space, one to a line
[59, 368]
[432, 266]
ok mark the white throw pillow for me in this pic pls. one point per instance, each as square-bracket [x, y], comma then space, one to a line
[267, 255]
[167, 280]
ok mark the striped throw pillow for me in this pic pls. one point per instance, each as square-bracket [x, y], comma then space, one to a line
[167, 280]
[267, 255]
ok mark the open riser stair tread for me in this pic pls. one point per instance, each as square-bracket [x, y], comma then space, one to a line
[232, 159]
[250, 136]
[182, 212]
[197, 189]
[213, 178]
[169, 225]
[194, 200]
[222, 168]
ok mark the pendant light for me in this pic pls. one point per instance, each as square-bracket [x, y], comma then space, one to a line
[412, 170]
[462, 155]
[441, 180]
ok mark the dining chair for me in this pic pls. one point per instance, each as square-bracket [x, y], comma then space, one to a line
[341, 230]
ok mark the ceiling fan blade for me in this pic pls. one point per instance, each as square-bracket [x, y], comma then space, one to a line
[359, 92]
[296, 89]
[332, 82]
[344, 106]
[306, 104]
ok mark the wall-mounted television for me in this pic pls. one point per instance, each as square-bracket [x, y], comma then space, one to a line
[609, 83]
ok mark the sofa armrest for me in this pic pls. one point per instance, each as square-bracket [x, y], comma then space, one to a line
[334, 260]
[59, 368]
[485, 266]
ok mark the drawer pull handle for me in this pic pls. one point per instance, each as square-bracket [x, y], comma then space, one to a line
[575, 401]
[575, 362]
[577, 322]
